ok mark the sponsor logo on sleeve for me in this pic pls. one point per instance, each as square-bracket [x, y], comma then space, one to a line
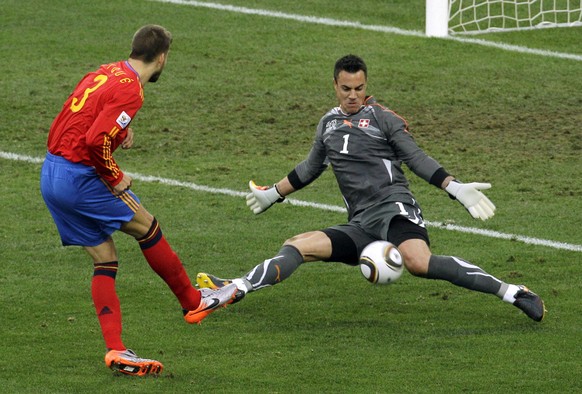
[329, 126]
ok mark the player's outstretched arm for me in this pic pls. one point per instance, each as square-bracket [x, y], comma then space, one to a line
[470, 195]
[262, 197]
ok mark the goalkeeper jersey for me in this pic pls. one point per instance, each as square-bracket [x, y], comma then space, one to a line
[366, 151]
[93, 121]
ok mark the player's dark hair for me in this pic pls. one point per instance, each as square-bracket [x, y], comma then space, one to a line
[149, 42]
[351, 64]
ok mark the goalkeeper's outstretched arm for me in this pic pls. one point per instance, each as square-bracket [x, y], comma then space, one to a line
[262, 198]
[284, 187]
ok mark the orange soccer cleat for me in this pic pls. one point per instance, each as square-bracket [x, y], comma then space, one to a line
[127, 362]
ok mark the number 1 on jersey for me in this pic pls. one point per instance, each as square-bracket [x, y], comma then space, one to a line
[345, 148]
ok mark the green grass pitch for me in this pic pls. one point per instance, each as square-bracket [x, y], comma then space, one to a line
[240, 99]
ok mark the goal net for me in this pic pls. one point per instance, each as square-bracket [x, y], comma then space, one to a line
[480, 16]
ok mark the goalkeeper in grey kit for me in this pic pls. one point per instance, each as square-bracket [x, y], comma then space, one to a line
[366, 144]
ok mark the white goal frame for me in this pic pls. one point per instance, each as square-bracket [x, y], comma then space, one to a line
[444, 17]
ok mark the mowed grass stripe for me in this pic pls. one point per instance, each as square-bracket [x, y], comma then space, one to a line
[326, 207]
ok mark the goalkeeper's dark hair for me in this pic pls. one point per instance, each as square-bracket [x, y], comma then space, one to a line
[149, 42]
[351, 64]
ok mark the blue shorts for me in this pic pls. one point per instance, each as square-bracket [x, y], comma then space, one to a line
[82, 205]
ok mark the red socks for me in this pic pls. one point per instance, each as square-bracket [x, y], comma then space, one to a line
[168, 266]
[163, 261]
[107, 304]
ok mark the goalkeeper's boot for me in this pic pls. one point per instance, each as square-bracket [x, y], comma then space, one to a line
[530, 303]
[127, 362]
[210, 301]
[204, 280]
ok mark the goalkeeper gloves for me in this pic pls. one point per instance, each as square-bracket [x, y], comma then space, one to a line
[468, 194]
[262, 197]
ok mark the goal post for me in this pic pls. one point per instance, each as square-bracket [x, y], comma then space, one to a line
[437, 18]
[445, 17]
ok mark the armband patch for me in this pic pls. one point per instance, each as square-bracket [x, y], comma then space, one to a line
[123, 119]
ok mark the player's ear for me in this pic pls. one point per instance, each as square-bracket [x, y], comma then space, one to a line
[162, 58]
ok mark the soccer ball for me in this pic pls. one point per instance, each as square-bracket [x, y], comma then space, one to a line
[381, 263]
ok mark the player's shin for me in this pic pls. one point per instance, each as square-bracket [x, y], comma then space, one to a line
[462, 273]
[106, 303]
[275, 270]
[166, 263]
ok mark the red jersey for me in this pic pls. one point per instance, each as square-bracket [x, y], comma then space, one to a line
[93, 121]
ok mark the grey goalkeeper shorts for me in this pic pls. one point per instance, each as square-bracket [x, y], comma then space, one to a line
[395, 219]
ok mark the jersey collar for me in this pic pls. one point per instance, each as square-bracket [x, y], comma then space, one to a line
[132, 69]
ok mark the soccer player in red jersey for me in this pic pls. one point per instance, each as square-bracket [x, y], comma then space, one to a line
[89, 196]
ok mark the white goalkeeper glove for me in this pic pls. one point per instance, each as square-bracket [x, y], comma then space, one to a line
[262, 197]
[468, 194]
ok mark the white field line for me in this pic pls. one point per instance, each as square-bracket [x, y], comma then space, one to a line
[325, 207]
[376, 28]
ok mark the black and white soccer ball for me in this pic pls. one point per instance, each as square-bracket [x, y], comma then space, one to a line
[381, 263]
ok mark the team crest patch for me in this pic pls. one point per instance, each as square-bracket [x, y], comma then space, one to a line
[123, 120]
[364, 123]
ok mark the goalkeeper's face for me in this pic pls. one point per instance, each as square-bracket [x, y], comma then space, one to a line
[350, 90]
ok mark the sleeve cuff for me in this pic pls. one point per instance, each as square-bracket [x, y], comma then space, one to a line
[295, 181]
[439, 177]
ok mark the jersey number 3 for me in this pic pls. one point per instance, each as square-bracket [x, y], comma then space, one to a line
[76, 104]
